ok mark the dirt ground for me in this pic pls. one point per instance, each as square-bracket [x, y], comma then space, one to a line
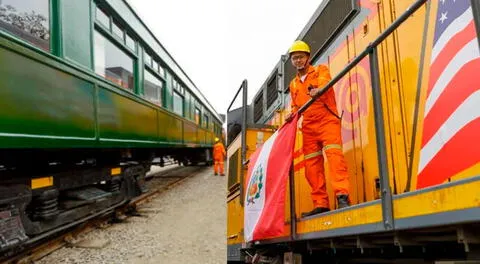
[185, 224]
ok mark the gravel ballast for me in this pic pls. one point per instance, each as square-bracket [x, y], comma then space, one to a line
[184, 224]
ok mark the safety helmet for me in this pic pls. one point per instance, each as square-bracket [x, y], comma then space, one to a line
[299, 46]
[217, 139]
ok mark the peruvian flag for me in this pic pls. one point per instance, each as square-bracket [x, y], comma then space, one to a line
[266, 181]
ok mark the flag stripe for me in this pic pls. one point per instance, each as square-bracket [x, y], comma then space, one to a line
[451, 49]
[464, 114]
[444, 165]
[465, 55]
[461, 86]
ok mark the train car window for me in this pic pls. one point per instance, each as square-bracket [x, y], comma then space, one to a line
[188, 106]
[130, 42]
[177, 103]
[197, 116]
[28, 20]
[205, 121]
[161, 70]
[117, 31]
[112, 63]
[178, 87]
[148, 59]
[192, 107]
[102, 18]
[155, 65]
[153, 88]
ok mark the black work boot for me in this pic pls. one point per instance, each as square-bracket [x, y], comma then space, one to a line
[317, 210]
[343, 201]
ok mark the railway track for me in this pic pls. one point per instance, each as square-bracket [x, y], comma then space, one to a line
[158, 181]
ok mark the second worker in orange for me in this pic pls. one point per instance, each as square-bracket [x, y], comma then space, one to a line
[219, 155]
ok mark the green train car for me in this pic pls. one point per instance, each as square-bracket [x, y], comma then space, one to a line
[88, 99]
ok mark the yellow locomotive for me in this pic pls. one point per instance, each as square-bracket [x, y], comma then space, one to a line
[404, 76]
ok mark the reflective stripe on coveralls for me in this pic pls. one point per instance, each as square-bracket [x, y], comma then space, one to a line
[314, 154]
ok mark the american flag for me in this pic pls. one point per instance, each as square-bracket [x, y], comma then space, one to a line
[451, 129]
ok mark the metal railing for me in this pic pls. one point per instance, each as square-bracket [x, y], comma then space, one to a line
[244, 88]
[371, 51]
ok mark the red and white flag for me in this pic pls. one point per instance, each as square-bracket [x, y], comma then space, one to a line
[266, 181]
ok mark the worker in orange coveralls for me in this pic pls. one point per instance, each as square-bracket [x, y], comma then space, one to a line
[218, 157]
[321, 129]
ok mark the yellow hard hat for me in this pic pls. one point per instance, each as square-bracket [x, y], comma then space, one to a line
[299, 46]
[216, 139]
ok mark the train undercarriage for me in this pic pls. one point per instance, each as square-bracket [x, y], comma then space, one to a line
[443, 244]
[45, 191]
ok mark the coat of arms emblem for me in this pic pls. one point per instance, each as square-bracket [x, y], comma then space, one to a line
[255, 185]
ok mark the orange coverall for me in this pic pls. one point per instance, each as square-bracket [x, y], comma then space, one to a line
[321, 130]
[219, 154]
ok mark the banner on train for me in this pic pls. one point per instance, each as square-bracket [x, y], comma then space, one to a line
[267, 177]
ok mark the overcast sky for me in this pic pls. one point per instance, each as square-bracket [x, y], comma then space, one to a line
[219, 43]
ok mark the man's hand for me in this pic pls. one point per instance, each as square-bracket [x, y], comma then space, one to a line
[289, 117]
[314, 91]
